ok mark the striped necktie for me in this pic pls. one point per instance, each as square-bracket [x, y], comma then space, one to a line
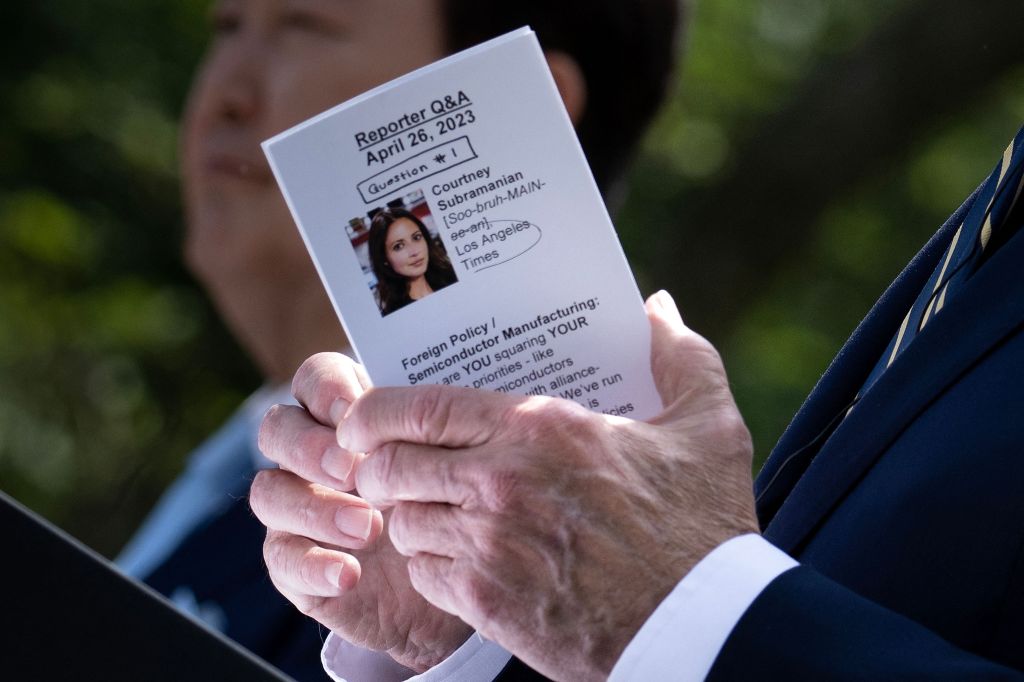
[992, 219]
[986, 226]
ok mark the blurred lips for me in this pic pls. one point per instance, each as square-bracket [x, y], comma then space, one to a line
[238, 167]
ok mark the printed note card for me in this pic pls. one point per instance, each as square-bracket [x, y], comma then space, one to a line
[462, 239]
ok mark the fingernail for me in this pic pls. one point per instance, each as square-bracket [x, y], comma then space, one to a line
[337, 410]
[343, 437]
[333, 573]
[336, 462]
[354, 521]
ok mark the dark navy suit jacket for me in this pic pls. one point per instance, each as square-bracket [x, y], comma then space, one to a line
[908, 521]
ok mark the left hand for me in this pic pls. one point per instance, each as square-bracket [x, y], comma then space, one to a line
[554, 530]
[322, 547]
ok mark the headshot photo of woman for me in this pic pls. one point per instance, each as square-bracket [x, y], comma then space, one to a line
[409, 264]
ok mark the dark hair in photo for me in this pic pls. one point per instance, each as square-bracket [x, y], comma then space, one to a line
[393, 288]
[626, 50]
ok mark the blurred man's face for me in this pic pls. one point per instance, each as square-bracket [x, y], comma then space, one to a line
[272, 64]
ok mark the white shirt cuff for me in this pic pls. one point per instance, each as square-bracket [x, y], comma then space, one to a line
[682, 638]
[477, 659]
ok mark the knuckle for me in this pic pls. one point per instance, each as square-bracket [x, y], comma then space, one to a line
[261, 491]
[377, 470]
[311, 516]
[284, 589]
[482, 598]
[304, 375]
[527, 419]
[491, 543]
[297, 507]
[541, 418]
[478, 590]
[431, 412]
[566, 412]
[738, 434]
[273, 554]
[559, 427]
[386, 454]
[319, 380]
[312, 606]
[503, 487]
[309, 605]
[735, 426]
[268, 430]
[308, 570]
[422, 575]
[577, 426]
[711, 354]
[728, 425]
[694, 342]
[398, 528]
[309, 443]
[451, 474]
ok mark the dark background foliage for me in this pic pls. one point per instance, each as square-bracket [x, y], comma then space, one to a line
[810, 148]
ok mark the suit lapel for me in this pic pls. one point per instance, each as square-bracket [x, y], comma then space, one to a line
[988, 307]
[846, 374]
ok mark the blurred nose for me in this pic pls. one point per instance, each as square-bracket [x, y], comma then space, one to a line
[238, 87]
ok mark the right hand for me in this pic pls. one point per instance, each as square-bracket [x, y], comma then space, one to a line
[363, 595]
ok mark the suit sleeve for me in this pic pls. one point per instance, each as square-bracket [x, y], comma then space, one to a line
[805, 626]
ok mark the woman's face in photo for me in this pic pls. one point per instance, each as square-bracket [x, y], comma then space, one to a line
[406, 249]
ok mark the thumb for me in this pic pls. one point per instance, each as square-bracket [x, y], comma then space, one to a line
[685, 365]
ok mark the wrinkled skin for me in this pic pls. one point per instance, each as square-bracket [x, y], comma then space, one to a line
[551, 529]
[357, 586]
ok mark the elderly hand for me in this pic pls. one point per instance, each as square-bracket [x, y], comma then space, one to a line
[551, 529]
[363, 595]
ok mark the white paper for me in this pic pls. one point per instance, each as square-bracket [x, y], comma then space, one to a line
[479, 147]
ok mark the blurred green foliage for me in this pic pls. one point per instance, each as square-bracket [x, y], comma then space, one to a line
[744, 63]
[113, 365]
